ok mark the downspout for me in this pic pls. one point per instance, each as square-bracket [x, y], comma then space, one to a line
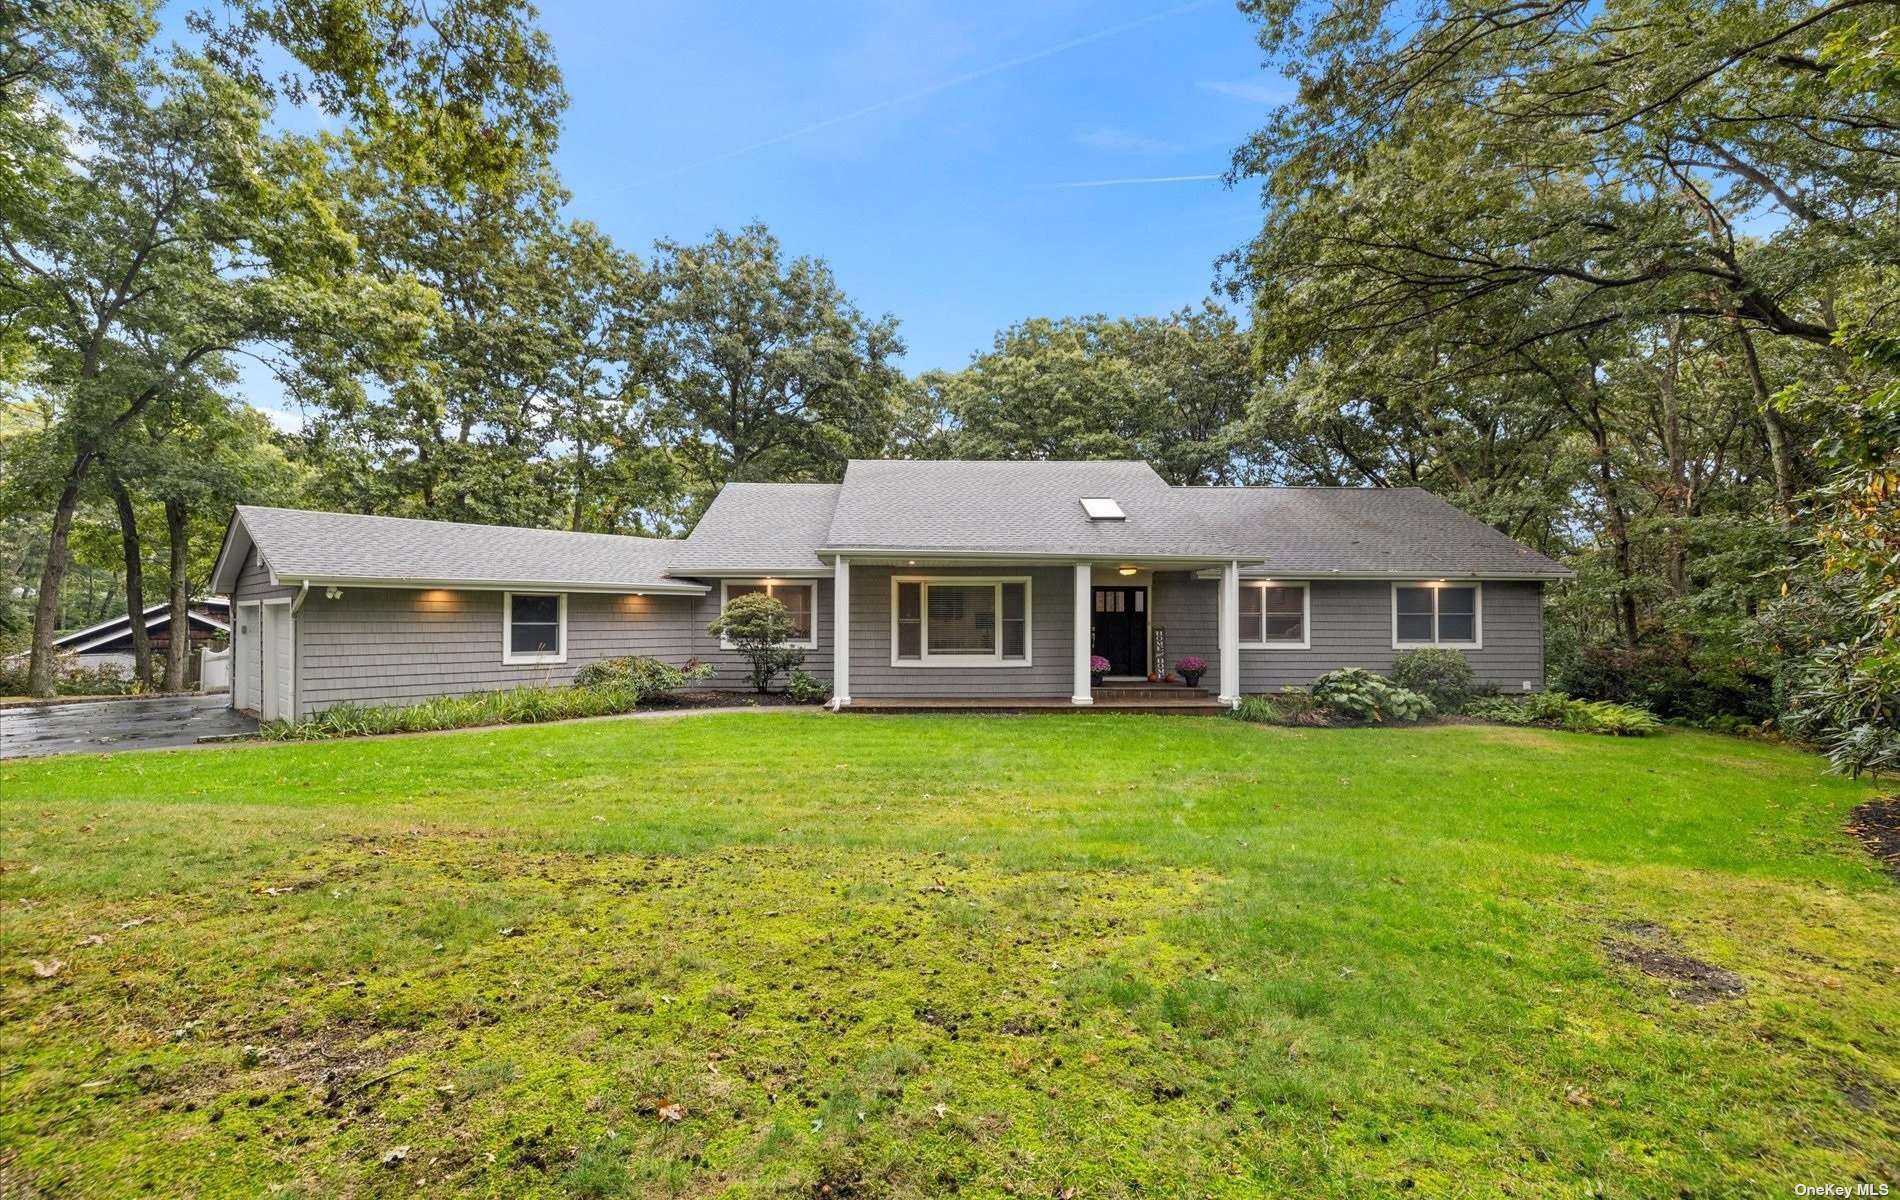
[296, 605]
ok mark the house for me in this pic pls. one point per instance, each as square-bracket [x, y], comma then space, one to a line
[109, 643]
[909, 583]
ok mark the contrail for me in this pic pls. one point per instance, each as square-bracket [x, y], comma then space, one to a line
[941, 86]
[1094, 183]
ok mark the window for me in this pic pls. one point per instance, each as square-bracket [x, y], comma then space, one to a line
[800, 598]
[1101, 508]
[1433, 614]
[1274, 616]
[533, 628]
[959, 622]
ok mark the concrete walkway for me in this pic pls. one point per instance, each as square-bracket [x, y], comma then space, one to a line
[146, 723]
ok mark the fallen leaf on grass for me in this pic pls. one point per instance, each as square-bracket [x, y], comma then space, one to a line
[395, 1155]
[135, 922]
[46, 970]
[512, 931]
[1579, 1097]
[91, 939]
[671, 1112]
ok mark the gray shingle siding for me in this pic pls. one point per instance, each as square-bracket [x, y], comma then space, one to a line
[389, 646]
[1352, 627]
[1051, 668]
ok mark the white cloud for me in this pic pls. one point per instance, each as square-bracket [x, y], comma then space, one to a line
[1114, 138]
[1251, 90]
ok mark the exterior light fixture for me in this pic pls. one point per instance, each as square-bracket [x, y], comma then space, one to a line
[1127, 571]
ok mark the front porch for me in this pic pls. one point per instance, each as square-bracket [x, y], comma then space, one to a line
[1172, 699]
[963, 634]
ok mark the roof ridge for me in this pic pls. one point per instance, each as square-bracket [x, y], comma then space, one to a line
[434, 521]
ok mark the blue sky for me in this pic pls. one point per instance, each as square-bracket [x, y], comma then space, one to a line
[933, 152]
[918, 146]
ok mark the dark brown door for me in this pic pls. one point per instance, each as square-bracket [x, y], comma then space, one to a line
[1119, 629]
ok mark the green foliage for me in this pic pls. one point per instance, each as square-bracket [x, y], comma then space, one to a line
[807, 689]
[757, 626]
[1558, 711]
[1256, 710]
[69, 679]
[1364, 696]
[519, 706]
[1441, 676]
[1848, 706]
[1171, 391]
[764, 368]
[648, 678]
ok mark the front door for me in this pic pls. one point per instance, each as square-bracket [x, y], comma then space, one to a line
[1119, 630]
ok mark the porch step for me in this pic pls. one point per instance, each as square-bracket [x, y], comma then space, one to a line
[1147, 691]
[1176, 705]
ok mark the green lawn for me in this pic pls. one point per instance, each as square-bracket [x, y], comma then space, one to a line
[1131, 956]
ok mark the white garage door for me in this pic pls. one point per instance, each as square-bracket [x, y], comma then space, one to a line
[278, 673]
[247, 664]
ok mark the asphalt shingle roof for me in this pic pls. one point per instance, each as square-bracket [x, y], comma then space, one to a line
[762, 528]
[302, 545]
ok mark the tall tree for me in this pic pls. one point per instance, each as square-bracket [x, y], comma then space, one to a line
[764, 369]
[166, 228]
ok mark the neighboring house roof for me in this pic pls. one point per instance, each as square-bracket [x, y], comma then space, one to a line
[346, 549]
[157, 617]
[761, 529]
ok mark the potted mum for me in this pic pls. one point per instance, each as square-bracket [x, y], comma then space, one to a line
[1098, 667]
[1191, 668]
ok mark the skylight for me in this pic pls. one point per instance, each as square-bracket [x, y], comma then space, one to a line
[1101, 508]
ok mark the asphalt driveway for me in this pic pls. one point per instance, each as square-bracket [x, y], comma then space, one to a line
[142, 724]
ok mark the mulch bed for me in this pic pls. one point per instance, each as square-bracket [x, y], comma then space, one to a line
[1877, 826]
[720, 700]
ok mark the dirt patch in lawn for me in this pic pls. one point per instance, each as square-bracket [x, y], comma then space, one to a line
[1689, 978]
[1876, 825]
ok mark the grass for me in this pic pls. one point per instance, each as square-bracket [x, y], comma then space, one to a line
[1127, 955]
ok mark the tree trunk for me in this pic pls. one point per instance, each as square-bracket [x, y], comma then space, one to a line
[39, 672]
[1680, 499]
[134, 585]
[1778, 450]
[178, 647]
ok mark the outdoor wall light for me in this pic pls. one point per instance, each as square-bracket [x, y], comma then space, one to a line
[1127, 571]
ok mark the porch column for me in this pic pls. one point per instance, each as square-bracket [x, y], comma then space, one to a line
[841, 632]
[1230, 634]
[1084, 614]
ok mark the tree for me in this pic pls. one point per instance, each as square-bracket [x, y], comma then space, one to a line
[763, 368]
[757, 626]
[166, 229]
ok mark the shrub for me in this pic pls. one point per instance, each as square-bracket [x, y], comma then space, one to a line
[1297, 706]
[807, 689]
[1354, 692]
[1558, 711]
[758, 626]
[1441, 676]
[1669, 677]
[1256, 710]
[69, 678]
[520, 706]
[651, 678]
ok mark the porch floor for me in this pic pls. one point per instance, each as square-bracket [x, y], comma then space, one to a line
[1110, 697]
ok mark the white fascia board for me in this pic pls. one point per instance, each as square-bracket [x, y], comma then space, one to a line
[532, 586]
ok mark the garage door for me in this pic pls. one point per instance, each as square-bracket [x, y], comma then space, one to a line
[278, 672]
[247, 663]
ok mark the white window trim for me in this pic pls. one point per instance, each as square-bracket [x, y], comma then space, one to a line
[508, 656]
[966, 660]
[1306, 615]
[725, 598]
[1477, 614]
